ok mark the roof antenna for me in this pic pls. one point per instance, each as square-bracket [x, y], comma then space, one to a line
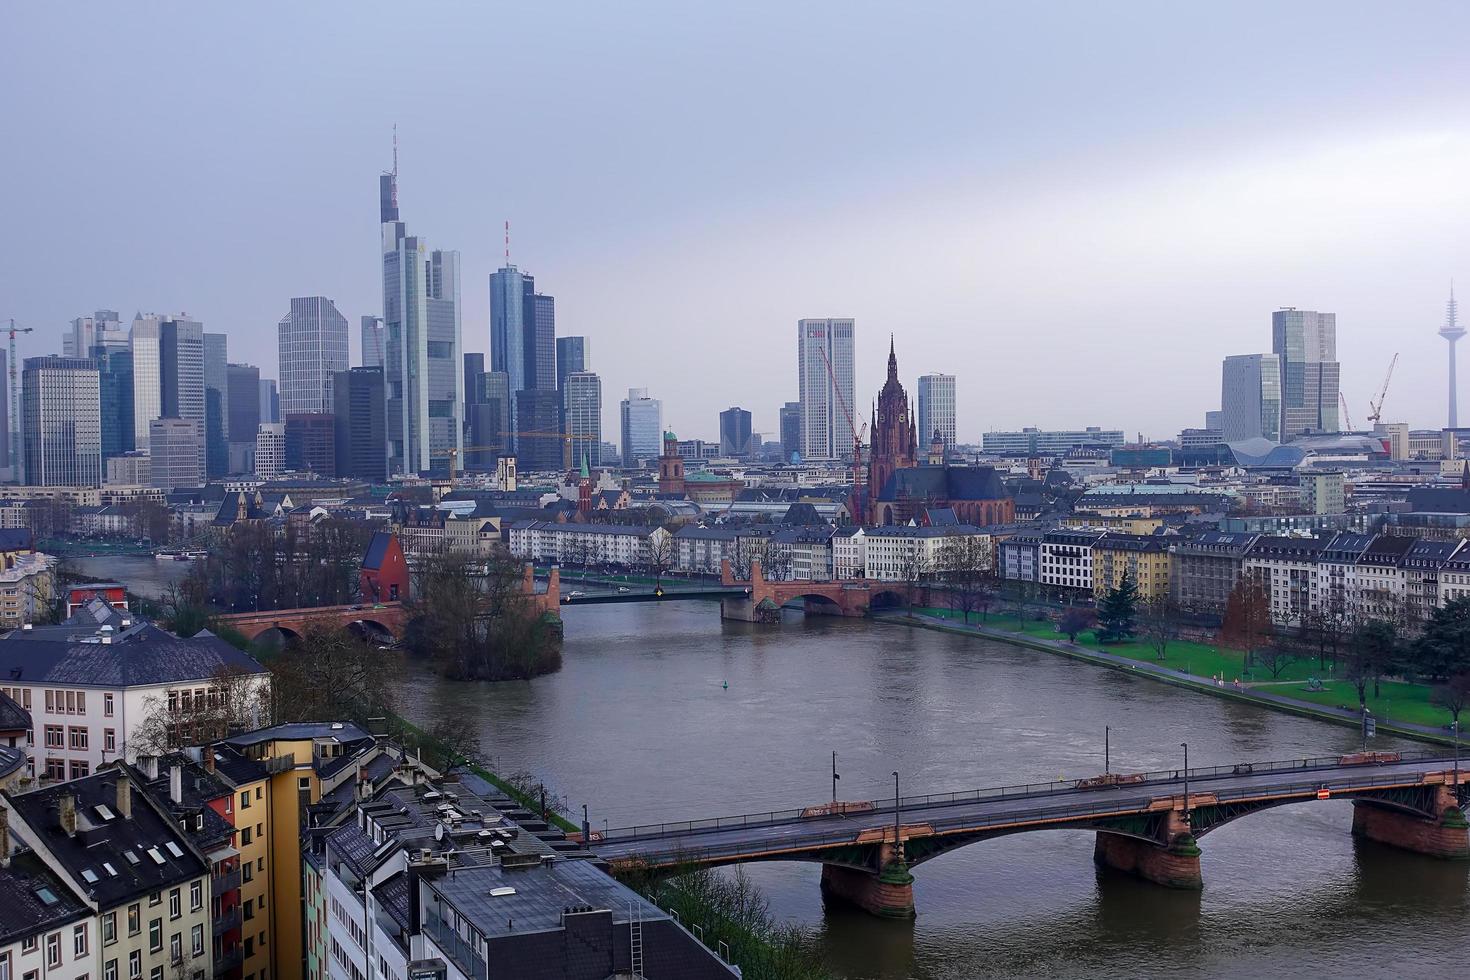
[395, 151]
[507, 243]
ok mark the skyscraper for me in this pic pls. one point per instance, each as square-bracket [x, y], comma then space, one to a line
[62, 422]
[312, 341]
[270, 401]
[643, 427]
[176, 448]
[572, 354]
[582, 414]
[421, 319]
[824, 355]
[270, 450]
[243, 382]
[474, 366]
[115, 380]
[361, 432]
[311, 443]
[372, 341]
[539, 447]
[540, 343]
[216, 405]
[181, 369]
[490, 421]
[790, 430]
[734, 432]
[522, 335]
[1250, 397]
[1452, 332]
[1306, 343]
[147, 389]
[102, 328]
[936, 409]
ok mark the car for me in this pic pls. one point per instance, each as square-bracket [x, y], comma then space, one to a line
[624, 588]
[575, 593]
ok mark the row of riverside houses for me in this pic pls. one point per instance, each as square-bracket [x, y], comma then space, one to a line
[1353, 576]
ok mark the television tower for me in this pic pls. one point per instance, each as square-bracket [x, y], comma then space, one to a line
[1452, 331]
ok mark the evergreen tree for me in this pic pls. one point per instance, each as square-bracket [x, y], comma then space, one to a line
[1117, 612]
[1443, 649]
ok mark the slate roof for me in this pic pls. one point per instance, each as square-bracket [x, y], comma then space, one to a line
[13, 718]
[541, 895]
[377, 550]
[141, 654]
[11, 759]
[15, 539]
[127, 844]
[300, 731]
[27, 912]
[394, 898]
[944, 483]
[1439, 500]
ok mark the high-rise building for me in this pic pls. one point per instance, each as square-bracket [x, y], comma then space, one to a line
[522, 334]
[312, 341]
[573, 354]
[936, 409]
[422, 344]
[243, 382]
[490, 421]
[1214, 420]
[372, 341]
[540, 342]
[474, 366]
[176, 451]
[5, 419]
[734, 432]
[270, 450]
[1250, 397]
[62, 419]
[147, 386]
[216, 405]
[311, 443]
[790, 430]
[582, 416]
[115, 389]
[539, 445]
[270, 401]
[181, 369]
[1452, 332]
[362, 436]
[101, 329]
[1306, 343]
[824, 355]
[643, 427]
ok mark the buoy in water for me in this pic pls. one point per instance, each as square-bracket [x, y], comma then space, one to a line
[726, 685]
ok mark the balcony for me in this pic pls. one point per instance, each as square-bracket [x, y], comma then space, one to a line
[228, 882]
[226, 921]
[225, 963]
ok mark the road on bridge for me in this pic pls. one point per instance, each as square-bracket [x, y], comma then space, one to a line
[1034, 806]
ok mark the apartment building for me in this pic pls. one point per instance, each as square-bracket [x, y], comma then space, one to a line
[581, 545]
[1142, 558]
[1066, 560]
[1203, 569]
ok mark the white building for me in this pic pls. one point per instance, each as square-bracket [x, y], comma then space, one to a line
[270, 450]
[906, 554]
[1066, 559]
[824, 368]
[590, 544]
[312, 343]
[936, 409]
[47, 929]
[849, 554]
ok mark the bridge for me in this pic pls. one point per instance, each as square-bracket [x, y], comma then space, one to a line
[1147, 824]
[761, 599]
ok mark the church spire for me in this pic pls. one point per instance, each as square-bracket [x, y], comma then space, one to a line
[892, 361]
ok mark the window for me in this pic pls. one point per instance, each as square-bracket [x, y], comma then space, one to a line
[50, 702]
[55, 769]
[175, 947]
[196, 940]
[247, 872]
[107, 705]
[155, 935]
[175, 904]
[78, 941]
[53, 949]
[245, 837]
[135, 919]
[245, 800]
[258, 791]
[109, 740]
[135, 965]
[28, 945]
[55, 736]
[156, 973]
[109, 928]
[196, 896]
[109, 970]
[155, 898]
[249, 912]
[79, 769]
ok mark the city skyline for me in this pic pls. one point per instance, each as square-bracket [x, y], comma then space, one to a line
[1377, 244]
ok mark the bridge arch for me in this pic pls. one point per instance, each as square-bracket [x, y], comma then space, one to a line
[370, 629]
[276, 636]
[882, 598]
[817, 602]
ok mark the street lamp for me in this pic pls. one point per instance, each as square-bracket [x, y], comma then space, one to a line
[896, 801]
[1185, 746]
[835, 777]
[1107, 749]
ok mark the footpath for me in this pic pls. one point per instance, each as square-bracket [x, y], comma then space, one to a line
[1174, 676]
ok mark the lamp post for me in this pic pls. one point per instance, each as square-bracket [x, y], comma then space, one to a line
[896, 800]
[1457, 759]
[1107, 749]
[1185, 746]
[835, 777]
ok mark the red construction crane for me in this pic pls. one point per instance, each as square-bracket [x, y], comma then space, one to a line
[857, 441]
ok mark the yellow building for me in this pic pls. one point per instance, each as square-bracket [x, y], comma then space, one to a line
[1127, 524]
[1143, 558]
[276, 774]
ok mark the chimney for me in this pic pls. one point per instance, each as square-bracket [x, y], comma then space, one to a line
[4, 837]
[209, 757]
[176, 783]
[124, 795]
[150, 766]
[66, 806]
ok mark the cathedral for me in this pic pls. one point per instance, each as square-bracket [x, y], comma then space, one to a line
[901, 489]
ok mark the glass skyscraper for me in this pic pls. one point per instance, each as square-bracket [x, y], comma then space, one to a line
[824, 366]
[147, 388]
[936, 410]
[643, 427]
[1306, 344]
[62, 417]
[312, 343]
[734, 432]
[1250, 397]
[582, 412]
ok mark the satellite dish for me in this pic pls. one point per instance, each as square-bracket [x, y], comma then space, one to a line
[438, 831]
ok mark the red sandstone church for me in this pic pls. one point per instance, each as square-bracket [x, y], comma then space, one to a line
[901, 488]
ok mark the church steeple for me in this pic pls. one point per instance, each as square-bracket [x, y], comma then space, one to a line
[892, 361]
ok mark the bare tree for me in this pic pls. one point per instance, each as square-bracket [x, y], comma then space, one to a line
[1159, 623]
[1074, 620]
[235, 700]
[1453, 696]
[660, 557]
[964, 566]
[1247, 623]
[457, 739]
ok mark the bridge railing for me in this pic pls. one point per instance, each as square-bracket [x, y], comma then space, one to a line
[829, 833]
[1022, 790]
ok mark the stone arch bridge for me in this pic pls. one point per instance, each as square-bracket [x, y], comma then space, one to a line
[764, 597]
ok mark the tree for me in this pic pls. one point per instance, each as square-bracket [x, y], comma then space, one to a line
[964, 566]
[457, 739]
[1074, 620]
[1453, 696]
[1443, 649]
[1160, 623]
[660, 556]
[1117, 612]
[1247, 624]
[1277, 656]
[236, 700]
[1372, 651]
[330, 675]
[1022, 593]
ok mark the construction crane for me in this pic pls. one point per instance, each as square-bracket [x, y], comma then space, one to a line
[15, 402]
[1376, 408]
[1346, 417]
[565, 437]
[857, 440]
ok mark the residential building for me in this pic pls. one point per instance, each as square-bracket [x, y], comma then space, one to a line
[801, 554]
[790, 420]
[1377, 585]
[1322, 492]
[216, 405]
[1020, 556]
[1204, 568]
[61, 421]
[1286, 569]
[619, 545]
[1030, 441]
[1454, 576]
[824, 367]
[1422, 567]
[27, 586]
[176, 451]
[642, 429]
[311, 444]
[735, 432]
[699, 550]
[360, 424]
[1143, 558]
[1066, 560]
[849, 553]
[582, 414]
[270, 450]
[937, 409]
[907, 554]
[371, 328]
[539, 443]
[426, 531]
[1250, 397]
[1305, 342]
[47, 929]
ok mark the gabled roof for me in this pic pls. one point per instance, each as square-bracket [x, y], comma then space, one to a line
[34, 900]
[948, 483]
[13, 718]
[377, 550]
[141, 654]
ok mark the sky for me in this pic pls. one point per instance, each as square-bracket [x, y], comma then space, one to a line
[1076, 208]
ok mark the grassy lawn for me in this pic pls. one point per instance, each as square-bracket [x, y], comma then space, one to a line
[1400, 701]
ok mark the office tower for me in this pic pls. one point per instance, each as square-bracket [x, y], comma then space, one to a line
[216, 405]
[312, 341]
[489, 421]
[1452, 332]
[734, 432]
[539, 445]
[573, 354]
[372, 341]
[143, 343]
[362, 435]
[115, 391]
[270, 450]
[101, 329]
[790, 430]
[311, 443]
[270, 401]
[522, 334]
[582, 414]
[243, 399]
[1214, 420]
[1306, 343]
[62, 422]
[180, 369]
[824, 367]
[936, 409]
[474, 366]
[176, 451]
[422, 345]
[540, 343]
[1250, 397]
[643, 427]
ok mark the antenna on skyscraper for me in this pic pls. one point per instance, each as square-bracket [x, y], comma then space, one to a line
[507, 242]
[395, 151]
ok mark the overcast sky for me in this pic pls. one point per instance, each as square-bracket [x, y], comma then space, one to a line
[1076, 208]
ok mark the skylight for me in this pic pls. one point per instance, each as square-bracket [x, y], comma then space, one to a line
[501, 892]
[174, 849]
[132, 856]
[104, 813]
[46, 895]
[107, 866]
[155, 855]
[90, 876]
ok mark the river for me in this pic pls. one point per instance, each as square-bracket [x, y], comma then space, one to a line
[144, 575]
[640, 725]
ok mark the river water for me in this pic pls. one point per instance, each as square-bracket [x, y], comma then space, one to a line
[640, 725]
[143, 574]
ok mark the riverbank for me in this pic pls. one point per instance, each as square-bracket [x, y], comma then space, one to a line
[1207, 670]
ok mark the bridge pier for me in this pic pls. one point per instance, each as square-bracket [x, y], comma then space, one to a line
[1446, 836]
[888, 893]
[1174, 864]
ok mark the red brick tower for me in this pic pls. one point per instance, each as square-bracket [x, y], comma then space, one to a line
[670, 466]
[895, 443]
[584, 488]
